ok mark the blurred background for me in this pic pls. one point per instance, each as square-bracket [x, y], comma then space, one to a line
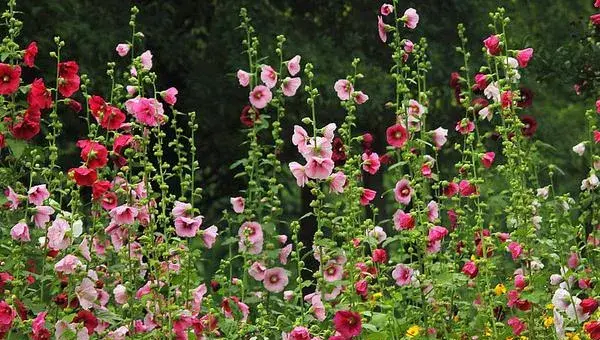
[197, 49]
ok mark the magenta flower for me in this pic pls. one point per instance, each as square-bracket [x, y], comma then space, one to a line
[293, 65]
[170, 95]
[517, 325]
[403, 221]
[268, 76]
[343, 88]
[396, 135]
[411, 18]
[381, 29]
[260, 96]
[367, 196]
[275, 279]
[12, 197]
[122, 49]
[523, 57]
[347, 323]
[299, 172]
[515, 250]
[332, 271]
[238, 204]
[209, 236]
[466, 188]
[243, 78]
[573, 261]
[289, 86]
[470, 269]
[488, 159]
[492, 44]
[465, 126]
[403, 191]
[251, 234]
[402, 275]
[319, 167]
[370, 163]
[187, 227]
[146, 59]
[123, 214]
[38, 194]
[386, 9]
[67, 265]
[360, 97]
[298, 333]
[20, 232]
[146, 111]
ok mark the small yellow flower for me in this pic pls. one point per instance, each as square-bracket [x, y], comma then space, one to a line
[499, 289]
[377, 295]
[456, 318]
[548, 321]
[413, 330]
[473, 258]
[549, 306]
[572, 336]
[488, 331]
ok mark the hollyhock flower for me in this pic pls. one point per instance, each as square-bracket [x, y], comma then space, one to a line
[370, 163]
[284, 253]
[275, 280]
[146, 59]
[506, 99]
[268, 76]
[488, 159]
[187, 227]
[575, 312]
[415, 108]
[293, 65]
[492, 92]
[530, 125]
[170, 95]
[243, 77]
[590, 183]
[198, 295]
[338, 154]
[147, 111]
[379, 256]
[436, 233]
[39, 97]
[68, 79]
[289, 86]
[432, 211]
[470, 269]
[67, 265]
[492, 44]
[300, 138]
[209, 236]
[579, 148]
[573, 261]
[99, 188]
[249, 116]
[523, 56]
[403, 221]
[10, 78]
[319, 168]
[332, 271]
[86, 293]
[593, 329]
[30, 53]
[118, 334]
[93, 154]
[20, 232]
[515, 250]
[517, 325]
[481, 82]
[465, 126]
[347, 323]
[237, 203]
[329, 131]
[411, 18]
[402, 275]
[360, 97]
[396, 135]
[12, 198]
[38, 328]
[440, 137]
[589, 305]
[403, 191]
[57, 234]
[250, 233]
[7, 316]
[38, 194]
[451, 189]
[596, 136]
[260, 96]
[122, 49]
[257, 271]
[337, 182]
[378, 234]
[595, 19]
[386, 9]
[123, 214]
[367, 196]
[343, 88]
[25, 126]
[381, 29]
[466, 188]
[597, 3]
[42, 215]
[120, 293]
[299, 172]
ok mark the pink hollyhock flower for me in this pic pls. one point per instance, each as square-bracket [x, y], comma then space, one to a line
[146, 58]
[466, 188]
[275, 280]
[57, 234]
[481, 82]
[187, 227]
[243, 77]
[12, 197]
[38, 194]
[170, 95]
[120, 293]
[20, 232]
[251, 234]
[260, 96]
[328, 132]
[118, 334]
[367, 196]
[347, 323]
[318, 147]
[596, 136]
[370, 163]
[122, 49]
[488, 159]
[337, 182]
[238, 204]
[333, 271]
[198, 295]
[181, 209]
[209, 236]
[451, 189]
[492, 44]
[411, 18]
[319, 168]
[42, 215]
[381, 29]
[343, 88]
[470, 269]
[523, 57]
[579, 148]
[515, 250]
[144, 290]
[436, 233]
[440, 136]
[67, 265]
[257, 271]
[147, 111]
[520, 282]
[465, 126]
[284, 253]
[298, 333]
[403, 221]
[7, 316]
[402, 274]
[573, 261]
[426, 170]
[386, 9]
[123, 214]
[403, 191]
[293, 65]
[432, 211]
[595, 19]
[517, 325]
[396, 135]
[378, 234]
[86, 293]
[289, 86]
[38, 327]
[299, 172]
[597, 3]
[288, 295]
[300, 138]
[360, 97]
[415, 108]
[379, 256]
[268, 76]
[409, 46]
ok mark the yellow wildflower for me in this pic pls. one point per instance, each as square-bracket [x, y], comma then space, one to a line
[548, 321]
[499, 289]
[413, 330]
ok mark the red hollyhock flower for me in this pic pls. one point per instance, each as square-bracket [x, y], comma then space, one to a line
[7, 316]
[339, 152]
[454, 80]
[380, 256]
[83, 176]
[10, 78]
[480, 82]
[39, 97]
[595, 19]
[27, 126]
[108, 116]
[589, 305]
[530, 125]
[492, 44]
[93, 153]
[451, 189]
[526, 98]
[479, 103]
[506, 99]
[396, 135]
[74, 105]
[99, 188]
[249, 115]
[347, 323]
[119, 145]
[592, 328]
[88, 318]
[68, 79]
[30, 52]
[367, 143]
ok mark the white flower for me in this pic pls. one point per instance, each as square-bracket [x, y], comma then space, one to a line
[543, 192]
[486, 113]
[561, 299]
[492, 92]
[579, 148]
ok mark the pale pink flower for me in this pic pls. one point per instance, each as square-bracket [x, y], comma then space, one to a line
[328, 132]
[67, 265]
[118, 334]
[12, 197]
[144, 290]
[131, 90]
[378, 234]
[84, 249]
[289, 86]
[386, 9]
[282, 239]
[411, 18]
[319, 168]
[268, 76]
[293, 65]
[243, 77]
[251, 234]
[186, 226]
[147, 111]
[42, 215]
[198, 295]
[57, 234]
[337, 182]
[343, 88]
[318, 147]
[402, 275]
[20, 232]
[209, 236]
[257, 271]
[440, 137]
[38, 194]
[181, 209]
[238, 204]
[275, 279]
[146, 58]
[486, 113]
[260, 96]
[300, 138]
[579, 148]
[120, 293]
[122, 49]
[370, 162]
[360, 97]
[123, 214]
[299, 172]
[288, 295]
[573, 261]
[409, 46]
[492, 92]
[333, 271]
[381, 29]
[86, 293]
[403, 191]
[318, 307]
[133, 71]
[432, 211]
[284, 253]
[415, 108]
[170, 95]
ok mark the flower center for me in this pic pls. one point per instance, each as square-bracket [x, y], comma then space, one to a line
[6, 79]
[398, 135]
[405, 192]
[274, 279]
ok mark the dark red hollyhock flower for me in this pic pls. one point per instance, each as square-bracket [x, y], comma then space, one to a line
[380, 256]
[2, 141]
[83, 176]
[367, 142]
[454, 80]
[470, 269]
[530, 125]
[386, 159]
[99, 188]
[396, 135]
[595, 19]
[592, 328]
[74, 105]
[589, 305]
[526, 98]
[10, 78]
[347, 323]
[88, 318]
[215, 285]
[21, 309]
[119, 145]
[61, 300]
[39, 97]
[93, 153]
[68, 79]
[7, 315]
[362, 288]
[339, 152]
[30, 53]
[479, 103]
[4, 278]
[27, 126]
[451, 189]
[249, 115]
